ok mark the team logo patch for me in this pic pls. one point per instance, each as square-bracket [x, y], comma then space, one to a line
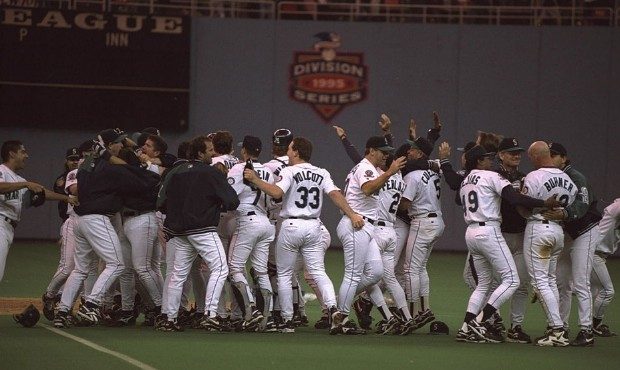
[231, 181]
[328, 80]
[368, 173]
[71, 176]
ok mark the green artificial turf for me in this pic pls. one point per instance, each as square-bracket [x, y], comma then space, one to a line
[30, 267]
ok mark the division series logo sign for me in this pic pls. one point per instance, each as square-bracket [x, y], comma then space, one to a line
[326, 79]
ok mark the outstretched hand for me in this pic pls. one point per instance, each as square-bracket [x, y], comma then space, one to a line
[340, 131]
[436, 120]
[385, 123]
[412, 127]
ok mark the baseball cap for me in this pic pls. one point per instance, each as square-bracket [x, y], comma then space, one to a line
[282, 137]
[252, 145]
[422, 144]
[151, 131]
[72, 153]
[467, 146]
[475, 153]
[439, 327]
[379, 143]
[557, 149]
[110, 136]
[141, 139]
[86, 146]
[509, 144]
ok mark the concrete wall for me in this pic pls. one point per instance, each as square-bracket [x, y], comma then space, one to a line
[548, 83]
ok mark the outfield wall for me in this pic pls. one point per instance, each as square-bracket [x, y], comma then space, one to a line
[551, 83]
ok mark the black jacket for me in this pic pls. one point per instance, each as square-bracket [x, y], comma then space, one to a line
[192, 195]
[102, 186]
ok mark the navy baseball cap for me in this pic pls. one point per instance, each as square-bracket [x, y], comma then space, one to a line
[252, 145]
[477, 152]
[509, 144]
[422, 144]
[558, 149]
[86, 146]
[379, 143]
[73, 153]
[152, 131]
[111, 136]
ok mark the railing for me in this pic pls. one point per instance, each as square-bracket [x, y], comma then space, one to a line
[336, 11]
[573, 16]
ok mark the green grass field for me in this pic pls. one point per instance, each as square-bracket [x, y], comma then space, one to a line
[30, 266]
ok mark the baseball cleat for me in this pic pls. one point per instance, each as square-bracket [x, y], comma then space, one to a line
[89, 314]
[62, 320]
[474, 327]
[215, 324]
[48, 307]
[125, 318]
[389, 326]
[300, 320]
[170, 325]
[323, 322]
[492, 333]
[553, 338]
[271, 326]
[350, 328]
[254, 321]
[585, 338]
[423, 318]
[517, 335]
[362, 308]
[405, 328]
[603, 331]
[288, 327]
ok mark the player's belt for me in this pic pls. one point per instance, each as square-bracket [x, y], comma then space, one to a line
[385, 223]
[301, 218]
[251, 213]
[10, 221]
[429, 215]
[134, 213]
[370, 220]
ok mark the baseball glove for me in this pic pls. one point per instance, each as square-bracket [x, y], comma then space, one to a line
[36, 199]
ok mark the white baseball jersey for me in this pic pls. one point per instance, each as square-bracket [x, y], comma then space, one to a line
[423, 190]
[250, 198]
[11, 203]
[480, 194]
[546, 182]
[303, 186]
[227, 160]
[389, 198]
[361, 203]
[276, 165]
[609, 227]
[70, 180]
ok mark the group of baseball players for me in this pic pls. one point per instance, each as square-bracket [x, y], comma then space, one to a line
[128, 206]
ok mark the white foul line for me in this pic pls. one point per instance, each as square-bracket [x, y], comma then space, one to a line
[95, 87]
[99, 348]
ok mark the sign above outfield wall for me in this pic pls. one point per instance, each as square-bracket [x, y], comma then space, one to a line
[326, 79]
[87, 70]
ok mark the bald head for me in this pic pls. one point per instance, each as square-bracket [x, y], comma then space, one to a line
[539, 154]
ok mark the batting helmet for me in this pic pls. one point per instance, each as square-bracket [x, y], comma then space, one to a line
[282, 137]
[439, 327]
[29, 317]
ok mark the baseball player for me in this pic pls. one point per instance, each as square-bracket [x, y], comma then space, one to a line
[101, 187]
[67, 239]
[609, 227]
[223, 160]
[544, 239]
[16, 192]
[139, 227]
[513, 226]
[363, 264]
[421, 199]
[480, 196]
[252, 235]
[581, 224]
[281, 139]
[192, 195]
[301, 188]
[72, 158]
